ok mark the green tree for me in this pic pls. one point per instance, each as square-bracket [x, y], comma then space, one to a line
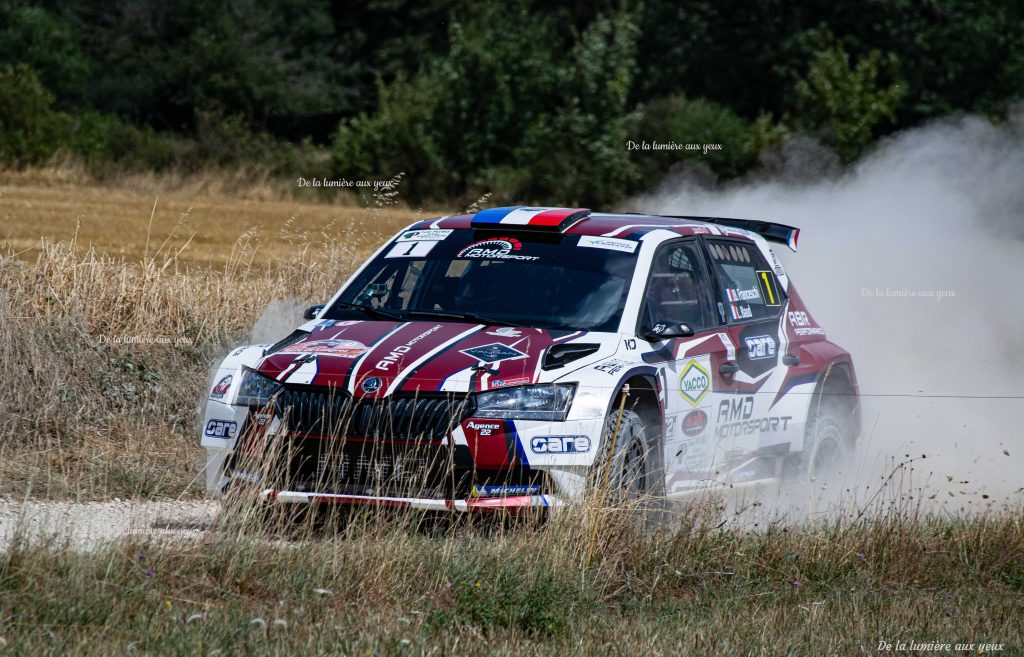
[845, 102]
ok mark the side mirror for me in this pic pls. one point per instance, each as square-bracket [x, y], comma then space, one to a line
[665, 331]
[312, 311]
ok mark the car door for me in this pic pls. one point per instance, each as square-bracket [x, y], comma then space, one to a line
[751, 301]
[679, 292]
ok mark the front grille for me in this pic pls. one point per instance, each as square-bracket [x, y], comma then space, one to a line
[401, 417]
[371, 468]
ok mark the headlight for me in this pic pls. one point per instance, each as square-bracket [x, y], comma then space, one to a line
[256, 389]
[543, 402]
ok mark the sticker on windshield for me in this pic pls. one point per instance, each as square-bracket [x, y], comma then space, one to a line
[432, 235]
[495, 248]
[410, 249]
[610, 243]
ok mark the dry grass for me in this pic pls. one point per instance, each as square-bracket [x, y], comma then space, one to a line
[85, 417]
[135, 217]
[388, 587]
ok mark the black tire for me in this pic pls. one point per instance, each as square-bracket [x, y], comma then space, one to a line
[827, 447]
[634, 471]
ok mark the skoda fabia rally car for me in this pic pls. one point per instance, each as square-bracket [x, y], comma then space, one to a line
[501, 360]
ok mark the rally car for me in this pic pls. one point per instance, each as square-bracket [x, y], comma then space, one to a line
[502, 359]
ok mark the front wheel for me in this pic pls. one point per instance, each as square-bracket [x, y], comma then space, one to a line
[633, 471]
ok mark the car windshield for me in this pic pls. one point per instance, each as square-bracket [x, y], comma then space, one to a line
[551, 281]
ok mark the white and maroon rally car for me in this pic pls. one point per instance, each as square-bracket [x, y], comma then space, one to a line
[481, 361]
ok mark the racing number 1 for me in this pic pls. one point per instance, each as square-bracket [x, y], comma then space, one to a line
[768, 283]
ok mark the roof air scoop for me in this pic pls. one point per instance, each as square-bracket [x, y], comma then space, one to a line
[517, 217]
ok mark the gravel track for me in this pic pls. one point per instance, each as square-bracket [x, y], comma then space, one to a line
[89, 525]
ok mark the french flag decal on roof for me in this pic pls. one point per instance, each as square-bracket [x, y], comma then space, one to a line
[553, 219]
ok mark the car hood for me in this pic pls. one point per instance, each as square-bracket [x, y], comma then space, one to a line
[380, 358]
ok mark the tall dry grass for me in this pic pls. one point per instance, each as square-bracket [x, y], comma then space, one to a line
[104, 359]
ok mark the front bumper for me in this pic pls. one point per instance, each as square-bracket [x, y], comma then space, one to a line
[519, 503]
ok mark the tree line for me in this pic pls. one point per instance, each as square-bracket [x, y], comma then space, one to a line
[525, 100]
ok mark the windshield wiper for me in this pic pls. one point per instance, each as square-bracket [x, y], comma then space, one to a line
[369, 310]
[469, 317]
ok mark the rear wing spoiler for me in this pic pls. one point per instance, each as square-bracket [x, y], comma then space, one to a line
[779, 233]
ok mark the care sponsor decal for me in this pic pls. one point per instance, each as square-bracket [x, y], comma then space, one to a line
[495, 248]
[609, 243]
[694, 382]
[494, 352]
[560, 444]
[694, 423]
[339, 348]
[432, 235]
[219, 429]
[411, 249]
[770, 292]
[221, 388]
[398, 353]
[736, 418]
[760, 347]
[801, 324]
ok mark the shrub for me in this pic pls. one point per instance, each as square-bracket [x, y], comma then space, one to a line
[30, 130]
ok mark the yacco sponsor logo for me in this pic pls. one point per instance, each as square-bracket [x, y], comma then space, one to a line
[495, 248]
[735, 418]
[694, 382]
[483, 428]
[695, 422]
[340, 348]
[221, 388]
[801, 324]
[398, 352]
[219, 429]
[760, 347]
[505, 491]
[506, 383]
[560, 444]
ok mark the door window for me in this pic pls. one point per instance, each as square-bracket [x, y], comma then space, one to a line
[676, 293]
[749, 288]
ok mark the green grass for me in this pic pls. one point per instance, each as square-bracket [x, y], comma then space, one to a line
[384, 588]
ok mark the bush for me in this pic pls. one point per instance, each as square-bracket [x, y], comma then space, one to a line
[684, 121]
[506, 112]
[30, 130]
[844, 103]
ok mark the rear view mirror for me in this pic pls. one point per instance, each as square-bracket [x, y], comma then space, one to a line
[312, 311]
[665, 331]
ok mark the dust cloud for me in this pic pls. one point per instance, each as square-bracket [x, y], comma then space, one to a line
[913, 260]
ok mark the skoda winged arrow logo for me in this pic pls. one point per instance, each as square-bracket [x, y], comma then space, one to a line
[372, 385]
